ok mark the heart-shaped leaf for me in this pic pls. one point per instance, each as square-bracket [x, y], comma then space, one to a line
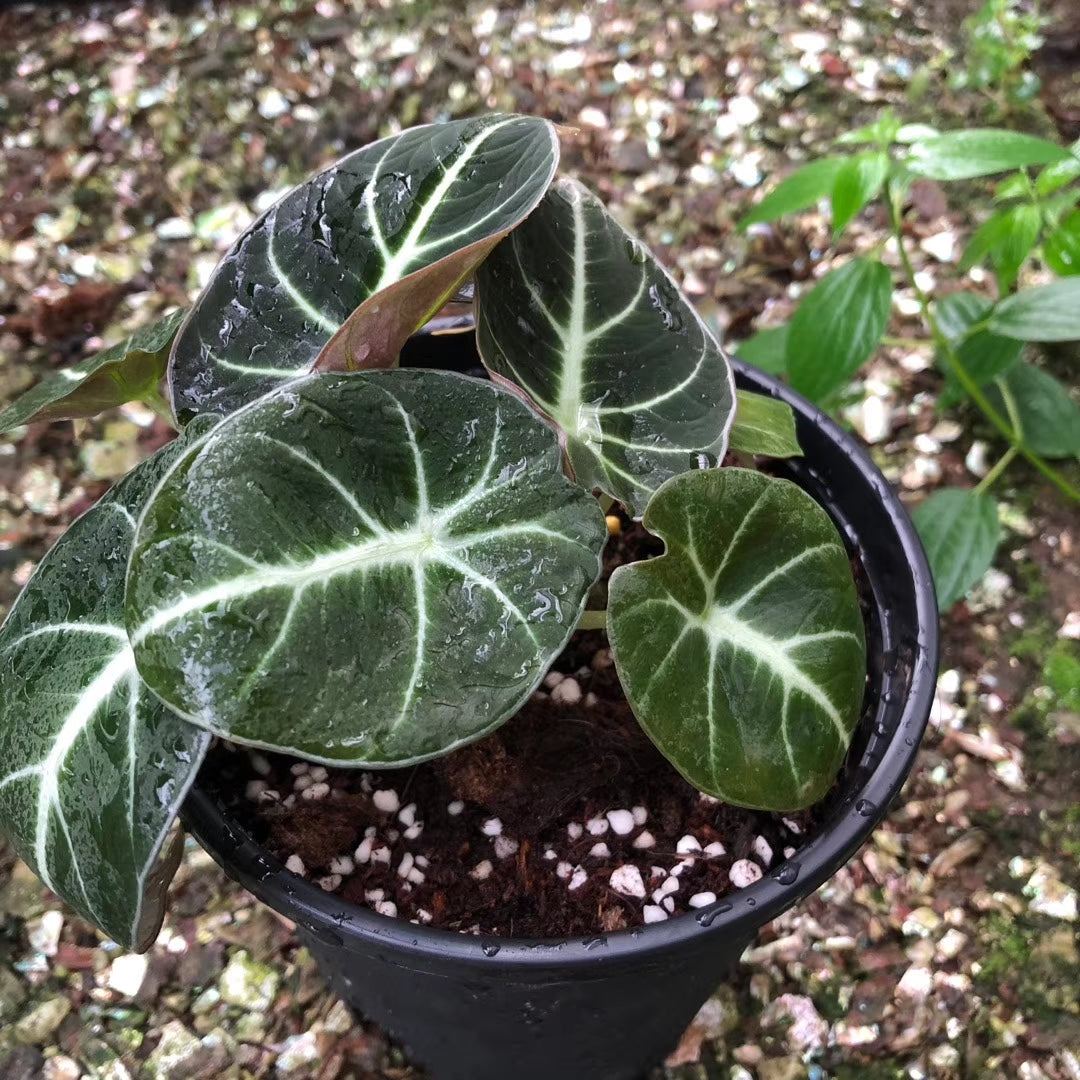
[413, 213]
[583, 318]
[764, 425]
[130, 371]
[366, 568]
[741, 649]
[94, 767]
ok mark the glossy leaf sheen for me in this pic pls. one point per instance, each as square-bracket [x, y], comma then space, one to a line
[125, 372]
[1061, 248]
[584, 319]
[959, 529]
[764, 425]
[741, 649]
[964, 155]
[803, 188]
[422, 206]
[367, 568]
[94, 767]
[1044, 313]
[1049, 417]
[859, 181]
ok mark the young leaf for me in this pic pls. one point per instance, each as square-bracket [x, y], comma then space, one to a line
[1061, 249]
[94, 767]
[963, 155]
[1006, 238]
[837, 326]
[959, 312]
[741, 649]
[1016, 186]
[1049, 417]
[764, 425]
[420, 209]
[367, 568]
[766, 350]
[1055, 177]
[985, 355]
[803, 188]
[959, 529]
[858, 181]
[583, 318]
[1044, 313]
[912, 133]
[129, 371]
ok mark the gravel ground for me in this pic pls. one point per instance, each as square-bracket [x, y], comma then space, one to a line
[136, 143]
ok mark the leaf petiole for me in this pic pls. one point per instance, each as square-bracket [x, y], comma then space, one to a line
[594, 619]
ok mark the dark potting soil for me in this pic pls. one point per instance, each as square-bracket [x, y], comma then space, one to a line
[565, 822]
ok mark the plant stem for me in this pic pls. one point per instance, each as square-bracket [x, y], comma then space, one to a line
[997, 470]
[155, 400]
[593, 619]
[963, 376]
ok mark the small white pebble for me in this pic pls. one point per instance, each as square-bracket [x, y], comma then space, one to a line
[492, 827]
[645, 840]
[482, 870]
[581, 875]
[550, 855]
[387, 908]
[407, 816]
[627, 880]
[505, 847]
[373, 896]
[622, 821]
[371, 832]
[668, 903]
[329, 883]
[762, 849]
[381, 855]
[788, 852]
[413, 831]
[260, 764]
[651, 913]
[679, 867]
[422, 861]
[302, 782]
[289, 801]
[564, 870]
[641, 815]
[597, 826]
[687, 844]
[793, 826]
[299, 768]
[365, 783]
[363, 853]
[574, 830]
[318, 773]
[702, 899]
[553, 678]
[590, 700]
[600, 851]
[744, 872]
[423, 915]
[715, 849]
[670, 885]
[708, 800]
[568, 692]
[342, 865]
[295, 865]
[387, 801]
[416, 876]
[454, 808]
[254, 788]
[405, 865]
[316, 791]
[657, 871]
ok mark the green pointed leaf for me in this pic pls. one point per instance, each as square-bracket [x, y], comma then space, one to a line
[583, 318]
[1055, 177]
[964, 155]
[1049, 417]
[1007, 239]
[764, 425]
[959, 529]
[1044, 313]
[958, 313]
[367, 568]
[94, 767]
[859, 181]
[1061, 248]
[985, 355]
[130, 371]
[804, 187]
[1016, 186]
[741, 649]
[414, 213]
[837, 327]
[912, 133]
[766, 350]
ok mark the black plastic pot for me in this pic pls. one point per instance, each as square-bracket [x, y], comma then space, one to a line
[610, 1006]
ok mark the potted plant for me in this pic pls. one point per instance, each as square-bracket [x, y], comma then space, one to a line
[368, 566]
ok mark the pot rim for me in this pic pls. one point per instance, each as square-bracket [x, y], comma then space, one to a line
[740, 914]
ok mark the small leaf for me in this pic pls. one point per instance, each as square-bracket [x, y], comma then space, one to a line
[766, 350]
[1044, 313]
[368, 568]
[963, 155]
[958, 313]
[1055, 177]
[1061, 248]
[883, 131]
[804, 187]
[130, 371]
[585, 320]
[912, 133]
[959, 529]
[1006, 238]
[741, 649]
[1016, 186]
[984, 355]
[413, 213]
[94, 767]
[1049, 417]
[859, 181]
[837, 326]
[764, 425]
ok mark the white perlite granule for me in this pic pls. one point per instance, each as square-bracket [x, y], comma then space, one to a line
[744, 872]
[651, 913]
[622, 821]
[387, 801]
[295, 865]
[627, 880]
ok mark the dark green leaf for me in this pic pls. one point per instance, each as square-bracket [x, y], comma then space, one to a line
[1055, 177]
[962, 155]
[367, 568]
[858, 181]
[1049, 417]
[985, 355]
[838, 326]
[94, 768]
[130, 371]
[582, 317]
[803, 188]
[766, 350]
[764, 425]
[1044, 313]
[1006, 238]
[412, 213]
[741, 649]
[959, 312]
[1061, 248]
[959, 529]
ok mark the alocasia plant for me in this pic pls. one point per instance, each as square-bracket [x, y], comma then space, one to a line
[366, 565]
